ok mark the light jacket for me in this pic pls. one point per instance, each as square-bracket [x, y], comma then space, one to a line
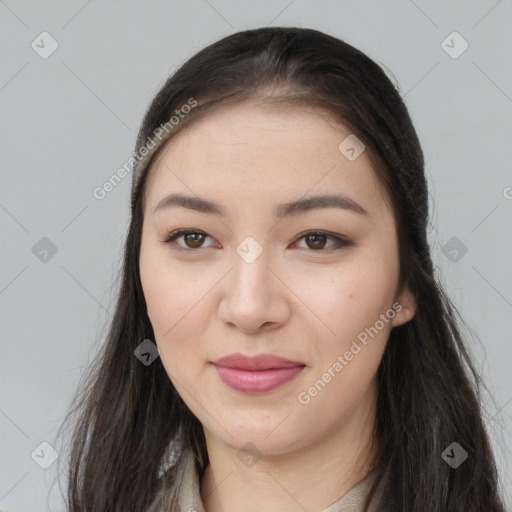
[189, 497]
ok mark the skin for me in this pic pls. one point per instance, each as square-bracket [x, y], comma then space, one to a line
[299, 299]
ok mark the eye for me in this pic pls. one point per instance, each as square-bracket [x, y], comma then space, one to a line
[315, 240]
[192, 238]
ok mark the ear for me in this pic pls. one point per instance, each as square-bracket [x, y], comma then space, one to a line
[405, 307]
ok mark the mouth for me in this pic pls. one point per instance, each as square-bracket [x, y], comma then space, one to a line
[258, 374]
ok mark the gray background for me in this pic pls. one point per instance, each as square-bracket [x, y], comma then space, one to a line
[70, 121]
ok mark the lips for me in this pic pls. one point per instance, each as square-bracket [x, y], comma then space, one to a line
[260, 362]
[257, 374]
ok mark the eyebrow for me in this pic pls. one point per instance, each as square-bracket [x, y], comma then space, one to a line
[282, 210]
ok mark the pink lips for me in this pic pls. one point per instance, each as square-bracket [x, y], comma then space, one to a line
[258, 374]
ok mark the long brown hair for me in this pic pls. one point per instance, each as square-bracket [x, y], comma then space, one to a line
[129, 423]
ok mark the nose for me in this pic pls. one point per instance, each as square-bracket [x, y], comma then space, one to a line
[254, 297]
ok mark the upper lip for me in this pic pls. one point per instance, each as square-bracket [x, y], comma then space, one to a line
[259, 362]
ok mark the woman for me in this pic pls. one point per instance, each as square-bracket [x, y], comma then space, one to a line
[280, 341]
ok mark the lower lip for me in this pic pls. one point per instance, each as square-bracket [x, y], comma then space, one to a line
[261, 381]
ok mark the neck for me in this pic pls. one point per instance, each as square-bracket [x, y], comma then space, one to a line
[310, 478]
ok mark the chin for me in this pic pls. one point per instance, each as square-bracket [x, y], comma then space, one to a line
[266, 440]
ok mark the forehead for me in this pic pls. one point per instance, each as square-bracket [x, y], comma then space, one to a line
[263, 151]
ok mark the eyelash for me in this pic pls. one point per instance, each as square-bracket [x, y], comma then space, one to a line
[340, 241]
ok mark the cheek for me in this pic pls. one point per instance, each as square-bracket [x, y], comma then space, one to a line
[345, 302]
[169, 302]
[348, 360]
[171, 312]
[179, 310]
[167, 293]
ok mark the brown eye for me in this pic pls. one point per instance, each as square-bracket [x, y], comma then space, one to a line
[192, 239]
[316, 241]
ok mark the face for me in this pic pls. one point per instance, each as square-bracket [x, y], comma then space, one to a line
[314, 284]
